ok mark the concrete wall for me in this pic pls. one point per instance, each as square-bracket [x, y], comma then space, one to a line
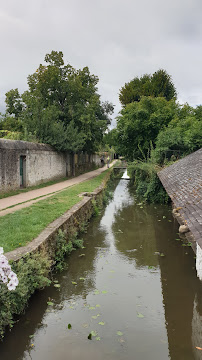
[39, 163]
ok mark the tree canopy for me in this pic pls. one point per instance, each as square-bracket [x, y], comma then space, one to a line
[157, 85]
[140, 122]
[61, 106]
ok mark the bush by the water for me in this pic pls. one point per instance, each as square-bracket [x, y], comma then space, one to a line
[146, 181]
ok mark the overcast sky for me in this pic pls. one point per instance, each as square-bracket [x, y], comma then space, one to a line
[116, 39]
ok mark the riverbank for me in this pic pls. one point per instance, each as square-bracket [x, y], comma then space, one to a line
[133, 285]
[33, 262]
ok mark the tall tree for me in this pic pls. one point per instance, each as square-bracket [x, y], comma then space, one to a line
[140, 122]
[157, 85]
[61, 97]
[14, 102]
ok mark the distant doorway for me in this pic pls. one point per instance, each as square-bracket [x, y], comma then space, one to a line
[22, 171]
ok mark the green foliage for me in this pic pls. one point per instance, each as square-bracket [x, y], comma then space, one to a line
[63, 248]
[146, 181]
[157, 85]
[32, 272]
[12, 135]
[140, 123]
[62, 106]
[96, 210]
[77, 243]
[110, 138]
[14, 102]
[10, 123]
[180, 138]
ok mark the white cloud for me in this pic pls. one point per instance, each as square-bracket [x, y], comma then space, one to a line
[117, 39]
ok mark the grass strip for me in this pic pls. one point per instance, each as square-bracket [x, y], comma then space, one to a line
[40, 186]
[22, 226]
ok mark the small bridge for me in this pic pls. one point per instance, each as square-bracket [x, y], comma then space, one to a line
[120, 167]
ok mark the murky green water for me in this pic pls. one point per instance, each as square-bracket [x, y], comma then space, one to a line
[140, 304]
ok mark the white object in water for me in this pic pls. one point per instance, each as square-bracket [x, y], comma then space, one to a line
[199, 261]
[125, 175]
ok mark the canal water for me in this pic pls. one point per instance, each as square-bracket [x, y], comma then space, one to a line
[133, 287]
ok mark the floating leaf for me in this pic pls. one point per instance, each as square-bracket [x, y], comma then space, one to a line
[164, 217]
[57, 285]
[50, 303]
[150, 267]
[96, 292]
[81, 278]
[162, 254]
[119, 333]
[55, 281]
[74, 282]
[177, 239]
[139, 315]
[97, 338]
[82, 255]
[71, 307]
[94, 317]
[141, 207]
[98, 305]
[85, 325]
[112, 271]
[91, 307]
[104, 292]
[101, 323]
[31, 336]
[69, 326]
[93, 333]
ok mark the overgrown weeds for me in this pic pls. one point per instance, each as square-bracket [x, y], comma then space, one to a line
[145, 179]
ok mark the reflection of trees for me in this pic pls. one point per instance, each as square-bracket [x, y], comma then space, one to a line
[133, 228]
[18, 340]
[83, 266]
[179, 284]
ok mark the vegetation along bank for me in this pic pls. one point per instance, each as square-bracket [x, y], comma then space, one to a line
[153, 131]
[67, 216]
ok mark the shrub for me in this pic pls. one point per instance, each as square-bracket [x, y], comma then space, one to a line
[32, 272]
[146, 181]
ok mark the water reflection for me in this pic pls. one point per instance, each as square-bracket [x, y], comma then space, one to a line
[134, 279]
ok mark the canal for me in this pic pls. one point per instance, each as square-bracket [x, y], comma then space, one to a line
[133, 287]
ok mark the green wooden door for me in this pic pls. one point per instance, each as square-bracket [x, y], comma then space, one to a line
[21, 170]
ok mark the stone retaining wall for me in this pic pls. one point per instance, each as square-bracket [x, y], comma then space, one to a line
[27, 164]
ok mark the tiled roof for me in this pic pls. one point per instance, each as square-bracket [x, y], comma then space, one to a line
[183, 183]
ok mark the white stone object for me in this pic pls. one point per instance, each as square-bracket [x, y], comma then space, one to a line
[199, 261]
[183, 229]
